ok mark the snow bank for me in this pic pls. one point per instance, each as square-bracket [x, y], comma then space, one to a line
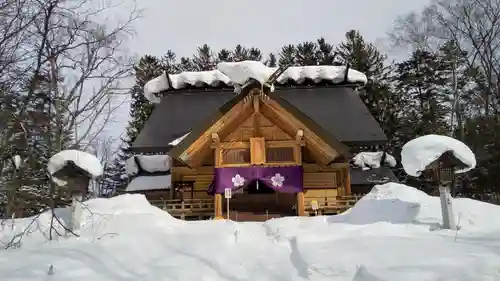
[125, 238]
[371, 160]
[239, 73]
[84, 160]
[418, 153]
[401, 204]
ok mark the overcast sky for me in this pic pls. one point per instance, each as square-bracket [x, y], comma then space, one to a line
[182, 25]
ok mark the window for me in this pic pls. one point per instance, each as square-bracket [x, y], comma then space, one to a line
[236, 156]
[279, 154]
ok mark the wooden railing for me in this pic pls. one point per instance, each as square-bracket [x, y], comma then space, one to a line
[330, 206]
[187, 207]
[204, 208]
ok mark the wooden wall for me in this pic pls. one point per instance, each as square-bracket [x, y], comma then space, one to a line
[267, 130]
[319, 182]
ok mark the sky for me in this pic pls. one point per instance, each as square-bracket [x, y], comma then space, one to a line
[181, 26]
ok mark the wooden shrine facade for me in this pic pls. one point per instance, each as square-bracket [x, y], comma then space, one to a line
[206, 131]
[259, 132]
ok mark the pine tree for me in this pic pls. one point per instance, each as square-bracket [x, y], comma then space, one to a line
[384, 104]
[254, 54]
[420, 78]
[271, 60]
[325, 53]
[204, 59]
[240, 53]
[288, 55]
[306, 53]
[146, 69]
[224, 55]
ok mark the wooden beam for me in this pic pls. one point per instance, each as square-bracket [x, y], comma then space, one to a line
[297, 149]
[300, 204]
[217, 150]
[347, 182]
[290, 125]
[218, 206]
[256, 116]
[196, 152]
[271, 144]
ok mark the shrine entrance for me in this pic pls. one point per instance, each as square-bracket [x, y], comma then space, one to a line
[258, 202]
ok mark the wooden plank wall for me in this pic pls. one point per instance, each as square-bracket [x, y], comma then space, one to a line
[319, 182]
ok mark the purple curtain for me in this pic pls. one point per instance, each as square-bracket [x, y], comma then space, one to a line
[282, 179]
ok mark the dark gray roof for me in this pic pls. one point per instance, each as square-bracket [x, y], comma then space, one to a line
[372, 177]
[339, 110]
[176, 115]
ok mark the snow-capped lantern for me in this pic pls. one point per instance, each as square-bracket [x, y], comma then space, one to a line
[442, 170]
[74, 169]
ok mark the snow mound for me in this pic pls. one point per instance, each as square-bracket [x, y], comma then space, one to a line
[418, 153]
[401, 204]
[372, 160]
[83, 160]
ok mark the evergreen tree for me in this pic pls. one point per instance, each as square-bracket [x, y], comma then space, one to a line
[146, 69]
[254, 54]
[271, 61]
[421, 78]
[224, 55]
[288, 55]
[306, 53]
[204, 59]
[325, 53]
[240, 53]
[385, 105]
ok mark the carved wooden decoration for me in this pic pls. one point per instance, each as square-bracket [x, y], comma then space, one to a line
[258, 151]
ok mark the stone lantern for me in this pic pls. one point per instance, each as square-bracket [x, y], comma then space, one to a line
[441, 173]
[77, 179]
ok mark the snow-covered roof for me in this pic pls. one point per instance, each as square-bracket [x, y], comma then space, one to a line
[418, 153]
[149, 163]
[144, 183]
[83, 160]
[371, 160]
[239, 73]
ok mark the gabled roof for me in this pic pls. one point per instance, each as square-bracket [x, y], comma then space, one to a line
[176, 115]
[337, 110]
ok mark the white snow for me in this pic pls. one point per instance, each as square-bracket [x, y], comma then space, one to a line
[131, 166]
[392, 234]
[155, 163]
[372, 160]
[238, 74]
[17, 161]
[178, 140]
[142, 183]
[84, 160]
[418, 153]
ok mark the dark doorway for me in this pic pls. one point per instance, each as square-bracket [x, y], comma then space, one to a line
[258, 202]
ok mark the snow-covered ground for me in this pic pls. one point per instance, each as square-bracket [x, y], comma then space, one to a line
[392, 234]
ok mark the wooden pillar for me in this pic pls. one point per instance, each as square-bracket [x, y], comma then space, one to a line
[218, 206]
[347, 181]
[300, 204]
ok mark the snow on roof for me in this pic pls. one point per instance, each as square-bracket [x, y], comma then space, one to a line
[238, 73]
[84, 160]
[418, 153]
[371, 160]
[144, 183]
[149, 163]
[155, 163]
